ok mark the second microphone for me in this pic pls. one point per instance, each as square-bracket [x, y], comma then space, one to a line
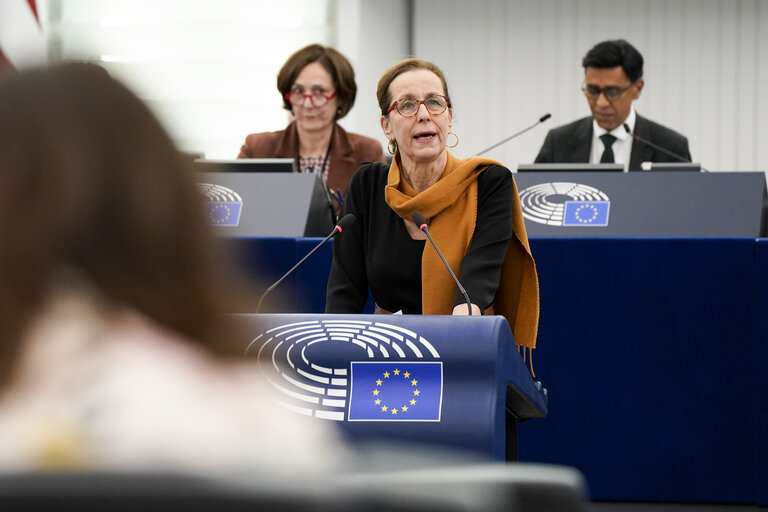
[421, 223]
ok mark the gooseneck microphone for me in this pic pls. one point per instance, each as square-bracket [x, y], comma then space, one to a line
[343, 224]
[656, 146]
[534, 125]
[421, 222]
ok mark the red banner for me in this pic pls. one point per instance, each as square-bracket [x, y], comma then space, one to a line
[22, 42]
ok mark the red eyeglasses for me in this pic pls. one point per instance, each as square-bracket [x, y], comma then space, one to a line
[318, 99]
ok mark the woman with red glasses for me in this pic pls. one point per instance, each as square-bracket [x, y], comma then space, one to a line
[318, 87]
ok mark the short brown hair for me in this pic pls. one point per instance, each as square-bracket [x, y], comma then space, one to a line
[91, 181]
[333, 61]
[382, 91]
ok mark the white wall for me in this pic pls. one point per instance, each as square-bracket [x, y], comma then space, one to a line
[207, 69]
[510, 61]
[372, 34]
[208, 72]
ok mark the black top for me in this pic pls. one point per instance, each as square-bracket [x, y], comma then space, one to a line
[377, 251]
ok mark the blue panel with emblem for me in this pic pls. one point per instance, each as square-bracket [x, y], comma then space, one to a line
[396, 391]
[586, 213]
[431, 379]
[222, 213]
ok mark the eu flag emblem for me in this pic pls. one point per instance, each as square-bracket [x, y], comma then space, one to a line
[224, 213]
[396, 391]
[586, 213]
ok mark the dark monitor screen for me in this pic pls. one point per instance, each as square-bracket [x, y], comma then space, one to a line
[675, 166]
[246, 165]
[571, 167]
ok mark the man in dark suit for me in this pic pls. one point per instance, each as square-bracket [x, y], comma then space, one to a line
[613, 79]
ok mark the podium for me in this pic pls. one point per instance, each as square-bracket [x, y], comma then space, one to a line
[643, 204]
[247, 204]
[444, 380]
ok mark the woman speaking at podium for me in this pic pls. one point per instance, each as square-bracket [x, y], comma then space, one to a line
[318, 87]
[471, 208]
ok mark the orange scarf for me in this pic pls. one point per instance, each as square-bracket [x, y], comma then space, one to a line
[450, 207]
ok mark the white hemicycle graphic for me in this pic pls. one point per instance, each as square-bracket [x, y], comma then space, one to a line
[545, 203]
[218, 193]
[223, 204]
[289, 357]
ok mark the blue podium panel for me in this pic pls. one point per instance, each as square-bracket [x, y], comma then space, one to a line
[648, 347]
[649, 204]
[426, 379]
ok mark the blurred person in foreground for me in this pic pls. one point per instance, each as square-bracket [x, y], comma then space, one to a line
[613, 80]
[471, 207]
[112, 297]
[317, 84]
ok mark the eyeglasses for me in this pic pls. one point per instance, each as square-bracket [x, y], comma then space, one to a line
[612, 92]
[318, 99]
[408, 107]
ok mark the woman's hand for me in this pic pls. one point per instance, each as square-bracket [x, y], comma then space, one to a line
[461, 309]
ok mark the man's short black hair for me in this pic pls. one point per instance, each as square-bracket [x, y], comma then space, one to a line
[609, 54]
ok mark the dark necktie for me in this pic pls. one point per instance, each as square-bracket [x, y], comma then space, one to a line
[608, 141]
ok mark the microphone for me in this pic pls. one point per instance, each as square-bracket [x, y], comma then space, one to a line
[343, 224]
[534, 125]
[656, 146]
[421, 222]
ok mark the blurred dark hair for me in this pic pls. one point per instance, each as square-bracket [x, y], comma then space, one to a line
[89, 180]
[382, 90]
[334, 62]
[610, 54]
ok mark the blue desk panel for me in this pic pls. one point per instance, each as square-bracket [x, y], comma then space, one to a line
[647, 348]
[650, 349]
[262, 262]
[761, 388]
[313, 275]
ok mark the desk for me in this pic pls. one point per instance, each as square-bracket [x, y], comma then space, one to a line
[652, 349]
[648, 348]
[761, 361]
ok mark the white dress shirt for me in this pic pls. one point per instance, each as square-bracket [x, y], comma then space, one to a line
[622, 146]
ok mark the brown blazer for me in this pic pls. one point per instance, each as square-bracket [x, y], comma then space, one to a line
[348, 151]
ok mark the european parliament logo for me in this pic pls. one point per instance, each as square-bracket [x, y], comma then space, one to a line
[565, 204]
[223, 205]
[351, 370]
[586, 213]
[396, 391]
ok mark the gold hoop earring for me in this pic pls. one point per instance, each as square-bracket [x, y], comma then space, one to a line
[392, 146]
[456, 143]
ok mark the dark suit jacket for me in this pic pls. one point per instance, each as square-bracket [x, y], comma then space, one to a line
[348, 151]
[572, 143]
